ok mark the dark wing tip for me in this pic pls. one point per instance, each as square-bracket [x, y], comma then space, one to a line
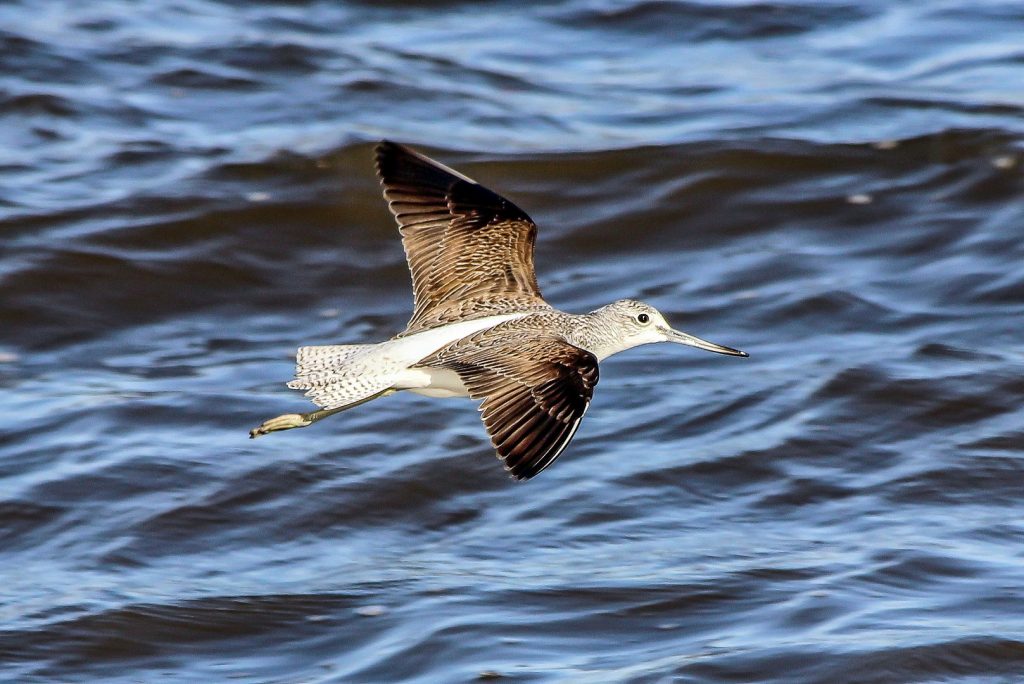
[403, 168]
[400, 164]
[525, 463]
[385, 156]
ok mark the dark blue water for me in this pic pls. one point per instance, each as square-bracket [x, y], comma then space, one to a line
[186, 196]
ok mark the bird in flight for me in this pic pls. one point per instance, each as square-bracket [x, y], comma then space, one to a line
[480, 327]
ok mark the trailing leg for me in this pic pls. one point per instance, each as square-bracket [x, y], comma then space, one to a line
[296, 420]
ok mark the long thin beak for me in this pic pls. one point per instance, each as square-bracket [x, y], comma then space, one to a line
[682, 338]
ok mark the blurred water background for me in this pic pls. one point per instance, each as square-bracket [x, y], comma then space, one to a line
[187, 195]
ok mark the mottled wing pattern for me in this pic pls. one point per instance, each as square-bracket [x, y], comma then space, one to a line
[535, 388]
[469, 249]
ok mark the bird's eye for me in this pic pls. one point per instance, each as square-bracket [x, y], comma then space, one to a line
[643, 318]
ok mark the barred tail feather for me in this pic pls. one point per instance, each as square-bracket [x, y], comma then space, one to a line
[329, 359]
[335, 376]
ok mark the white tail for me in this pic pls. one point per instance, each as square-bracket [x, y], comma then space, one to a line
[337, 375]
[330, 359]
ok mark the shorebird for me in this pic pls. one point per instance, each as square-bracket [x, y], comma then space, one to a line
[479, 327]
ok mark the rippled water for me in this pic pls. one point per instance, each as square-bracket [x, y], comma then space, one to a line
[186, 195]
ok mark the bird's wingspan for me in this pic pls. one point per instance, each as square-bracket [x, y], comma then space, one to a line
[535, 390]
[469, 249]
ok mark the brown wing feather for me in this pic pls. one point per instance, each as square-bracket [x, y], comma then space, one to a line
[535, 391]
[470, 250]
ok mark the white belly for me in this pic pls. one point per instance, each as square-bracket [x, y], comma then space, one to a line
[434, 382]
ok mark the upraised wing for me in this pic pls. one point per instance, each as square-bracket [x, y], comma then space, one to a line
[470, 250]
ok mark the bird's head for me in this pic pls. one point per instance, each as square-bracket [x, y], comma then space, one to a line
[637, 323]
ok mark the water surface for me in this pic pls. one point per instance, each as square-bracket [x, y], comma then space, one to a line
[186, 196]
